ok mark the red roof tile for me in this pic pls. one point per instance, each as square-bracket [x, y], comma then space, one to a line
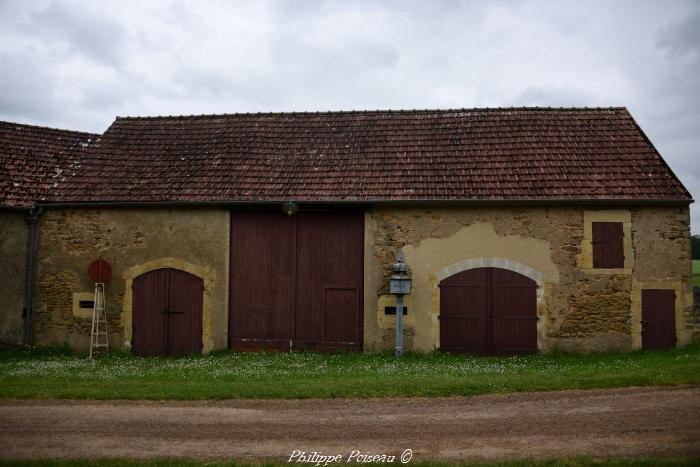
[479, 154]
[33, 160]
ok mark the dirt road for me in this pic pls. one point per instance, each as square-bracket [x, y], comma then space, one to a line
[621, 422]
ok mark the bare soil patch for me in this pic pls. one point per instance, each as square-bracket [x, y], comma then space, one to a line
[601, 423]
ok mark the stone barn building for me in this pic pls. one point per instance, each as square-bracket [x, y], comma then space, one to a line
[525, 229]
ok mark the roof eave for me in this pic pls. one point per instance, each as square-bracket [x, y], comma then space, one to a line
[379, 202]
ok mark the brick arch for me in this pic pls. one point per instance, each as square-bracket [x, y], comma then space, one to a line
[207, 276]
[501, 263]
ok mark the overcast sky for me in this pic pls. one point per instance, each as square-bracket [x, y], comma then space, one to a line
[78, 64]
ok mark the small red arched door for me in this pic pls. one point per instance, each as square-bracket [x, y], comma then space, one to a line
[488, 311]
[167, 313]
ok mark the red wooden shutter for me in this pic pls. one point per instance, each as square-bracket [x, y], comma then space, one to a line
[608, 246]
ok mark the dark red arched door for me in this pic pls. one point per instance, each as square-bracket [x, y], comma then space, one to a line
[488, 311]
[167, 313]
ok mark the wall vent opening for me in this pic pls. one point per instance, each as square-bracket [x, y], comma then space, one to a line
[391, 310]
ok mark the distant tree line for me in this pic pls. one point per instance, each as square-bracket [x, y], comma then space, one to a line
[695, 242]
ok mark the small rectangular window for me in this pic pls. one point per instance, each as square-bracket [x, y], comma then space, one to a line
[87, 304]
[391, 310]
[608, 245]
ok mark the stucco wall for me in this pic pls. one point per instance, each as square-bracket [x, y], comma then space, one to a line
[579, 308]
[13, 260]
[132, 241]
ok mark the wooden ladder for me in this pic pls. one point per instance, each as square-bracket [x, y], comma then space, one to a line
[99, 339]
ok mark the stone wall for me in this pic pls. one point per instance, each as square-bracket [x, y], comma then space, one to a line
[13, 260]
[580, 309]
[663, 260]
[130, 240]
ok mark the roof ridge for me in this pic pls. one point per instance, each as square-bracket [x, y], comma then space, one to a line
[42, 127]
[368, 112]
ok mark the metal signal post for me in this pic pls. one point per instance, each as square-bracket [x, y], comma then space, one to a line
[399, 285]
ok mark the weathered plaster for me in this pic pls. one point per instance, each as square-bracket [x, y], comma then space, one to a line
[79, 312]
[474, 244]
[195, 240]
[389, 321]
[443, 241]
[580, 308]
[13, 254]
[502, 263]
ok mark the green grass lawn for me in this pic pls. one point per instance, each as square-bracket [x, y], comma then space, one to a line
[56, 373]
[696, 272]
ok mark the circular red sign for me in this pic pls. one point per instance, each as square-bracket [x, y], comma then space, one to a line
[100, 270]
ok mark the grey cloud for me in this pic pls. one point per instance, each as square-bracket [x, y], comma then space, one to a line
[682, 36]
[96, 37]
[25, 89]
[675, 118]
[553, 96]
[431, 11]
[358, 57]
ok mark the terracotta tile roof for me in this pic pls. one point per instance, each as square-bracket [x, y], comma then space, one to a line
[478, 154]
[33, 159]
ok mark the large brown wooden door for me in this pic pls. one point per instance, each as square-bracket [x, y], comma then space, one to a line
[167, 313]
[488, 311]
[296, 282]
[658, 319]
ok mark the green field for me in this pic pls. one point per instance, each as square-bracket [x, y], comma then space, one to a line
[696, 272]
[56, 373]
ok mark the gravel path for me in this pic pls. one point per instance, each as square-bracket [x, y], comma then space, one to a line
[619, 422]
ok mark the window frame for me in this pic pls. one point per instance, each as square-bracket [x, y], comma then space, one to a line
[584, 259]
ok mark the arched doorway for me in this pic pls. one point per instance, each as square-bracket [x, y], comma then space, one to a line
[488, 311]
[167, 313]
